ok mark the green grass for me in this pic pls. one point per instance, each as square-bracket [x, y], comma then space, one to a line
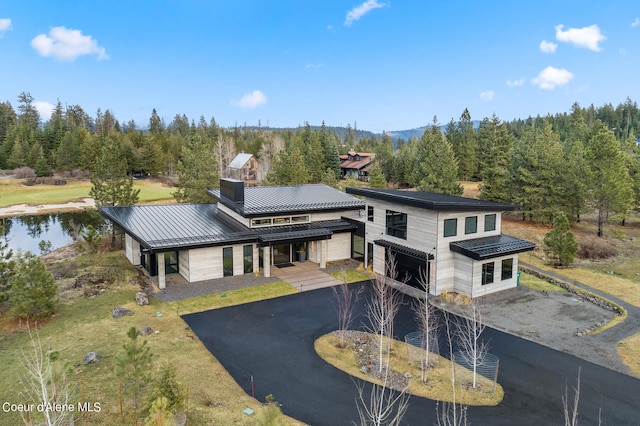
[535, 283]
[13, 192]
[350, 276]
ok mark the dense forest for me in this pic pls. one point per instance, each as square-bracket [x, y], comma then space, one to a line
[582, 161]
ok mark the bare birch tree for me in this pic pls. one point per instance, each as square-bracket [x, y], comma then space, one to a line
[451, 413]
[571, 412]
[468, 332]
[428, 324]
[346, 300]
[384, 406]
[46, 386]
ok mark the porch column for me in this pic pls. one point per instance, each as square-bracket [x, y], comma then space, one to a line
[162, 282]
[266, 260]
[323, 246]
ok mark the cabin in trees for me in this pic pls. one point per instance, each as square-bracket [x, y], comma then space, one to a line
[455, 244]
[356, 165]
[245, 167]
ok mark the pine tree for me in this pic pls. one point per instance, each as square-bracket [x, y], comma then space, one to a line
[376, 177]
[197, 171]
[494, 155]
[33, 290]
[133, 365]
[7, 266]
[111, 185]
[560, 244]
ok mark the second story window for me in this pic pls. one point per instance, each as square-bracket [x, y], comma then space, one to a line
[489, 222]
[370, 213]
[450, 227]
[471, 225]
[397, 224]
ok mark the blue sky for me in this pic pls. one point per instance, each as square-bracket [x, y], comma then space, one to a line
[387, 65]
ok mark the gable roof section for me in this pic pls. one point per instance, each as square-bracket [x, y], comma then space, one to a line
[430, 200]
[491, 247]
[273, 200]
[240, 160]
[174, 226]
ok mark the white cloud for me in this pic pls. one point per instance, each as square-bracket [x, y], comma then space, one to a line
[44, 109]
[66, 44]
[548, 46]
[251, 100]
[587, 37]
[550, 77]
[5, 25]
[359, 11]
[487, 95]
[636, 22]
[515, 83]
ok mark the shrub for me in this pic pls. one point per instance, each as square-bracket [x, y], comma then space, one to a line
[33, 290]
[560, 244]
[24, 173]
[594, 248]
[166, 386]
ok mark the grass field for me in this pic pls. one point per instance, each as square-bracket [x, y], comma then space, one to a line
[12, 192]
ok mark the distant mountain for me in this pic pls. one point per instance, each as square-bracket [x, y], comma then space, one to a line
[419, 131]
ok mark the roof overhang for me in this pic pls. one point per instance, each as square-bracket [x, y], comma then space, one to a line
[491, 247]
[417, 254]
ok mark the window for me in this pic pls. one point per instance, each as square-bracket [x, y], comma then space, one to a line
[300, 219]
[171, 262]
[370, 213]
[357, 247]
[487, 273]
[489, 222]
[247, 252]
[450, 227]
[227, 262]
[260, 222]
[281, 220]
[507, 269]
[397, 224]
[471, 225]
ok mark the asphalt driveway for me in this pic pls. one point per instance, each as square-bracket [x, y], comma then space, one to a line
[272, 341]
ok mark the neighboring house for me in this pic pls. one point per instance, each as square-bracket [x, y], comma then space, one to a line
[245, 167]
[356, 165]
[455, 242]
[248, 230]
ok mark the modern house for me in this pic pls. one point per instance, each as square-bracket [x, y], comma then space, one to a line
[454, 243]
[249, 229]
[356, 165]
[245, 167]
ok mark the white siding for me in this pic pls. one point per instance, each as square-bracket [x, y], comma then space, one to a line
[498, 284]
[205, 263]
[339, 247]
[132, 250]
[315, 217]
[243, 220]
[238, 260]
[183, 264]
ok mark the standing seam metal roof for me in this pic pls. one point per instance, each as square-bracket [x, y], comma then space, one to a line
[490, 247]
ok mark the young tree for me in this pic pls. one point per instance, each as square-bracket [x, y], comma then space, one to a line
[133, 365]
[560, 244]
[376, 178]
[427, 323]
[571, 410]
[451, 413]
[33, 290]
[468, 331]
[346, 298]
[166, 385]
[111, 185]
[7, 266]
[197, 172]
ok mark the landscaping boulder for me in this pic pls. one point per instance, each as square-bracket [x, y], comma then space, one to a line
[146, 331]
[142, 298]
[91, 357]
[120, 312]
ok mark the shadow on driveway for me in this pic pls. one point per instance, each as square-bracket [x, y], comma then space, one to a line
[272, 341]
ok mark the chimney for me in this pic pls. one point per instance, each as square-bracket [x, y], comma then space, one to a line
[232, 189]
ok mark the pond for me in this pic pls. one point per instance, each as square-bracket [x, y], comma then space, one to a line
[29, 233]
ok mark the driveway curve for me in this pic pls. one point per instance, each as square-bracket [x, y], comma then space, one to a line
[272, 341]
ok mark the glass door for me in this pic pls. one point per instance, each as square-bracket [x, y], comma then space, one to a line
[282, 254]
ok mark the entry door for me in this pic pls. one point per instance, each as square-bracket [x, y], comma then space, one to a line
[281, 254]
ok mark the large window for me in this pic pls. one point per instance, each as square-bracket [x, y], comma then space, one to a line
[227, 261]
[171, 262]
[397, 224]
[450, 227]
[489, 222]
[487, 273]
[507, 269]
[370, 213]
[471, 225]
[247, 252]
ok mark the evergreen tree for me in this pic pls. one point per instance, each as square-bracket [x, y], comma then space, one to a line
[329, 179]
[166, 385]
[560, 244]
[197, 171]
[463, 140]
[376, 177]
[610, 188]
[330, 150]
[111, 184]
[494, 155]
[7, 265]
[289, 168]
[33, 290]
[133, 365]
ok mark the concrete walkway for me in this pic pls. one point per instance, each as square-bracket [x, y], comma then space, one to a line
[305, 276]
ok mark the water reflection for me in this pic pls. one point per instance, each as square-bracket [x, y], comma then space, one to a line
[26, 232]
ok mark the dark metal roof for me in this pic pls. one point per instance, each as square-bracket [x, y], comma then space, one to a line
[272, 200]
[490, 247]
[418, 254]
[320, 230]
[430, 200]
[174, 226]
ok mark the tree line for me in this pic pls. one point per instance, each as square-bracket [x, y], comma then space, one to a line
[577, 162]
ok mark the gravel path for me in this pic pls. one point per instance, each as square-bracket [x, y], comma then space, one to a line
[553, 319]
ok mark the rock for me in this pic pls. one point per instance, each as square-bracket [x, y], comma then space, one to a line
[364, 369]
[142, 298]
[120, 312]
[91, 357]
[146, 331]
